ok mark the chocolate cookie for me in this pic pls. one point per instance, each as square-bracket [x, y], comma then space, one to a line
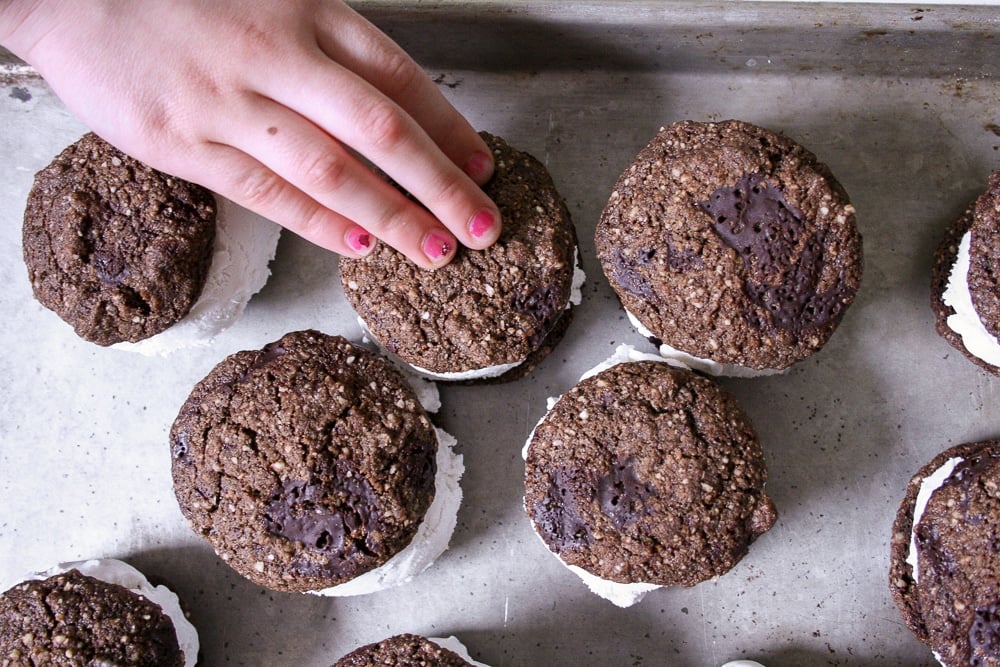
[306, 463]
[489, 313]
[404, 650]
[118, 250]
[965, 281]
[945, 564]
[647, 473]
[73, 619]
[732, 244]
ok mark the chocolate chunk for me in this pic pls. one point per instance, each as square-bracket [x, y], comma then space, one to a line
[622, 495]
[556, 515]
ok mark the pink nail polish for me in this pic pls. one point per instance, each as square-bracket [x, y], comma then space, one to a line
[482, 224]
[359, 240]
[437, 246]
[479, 167]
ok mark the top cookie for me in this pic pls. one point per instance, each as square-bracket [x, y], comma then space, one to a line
[945, 566]
[731, 243]
[488, 309]
[645, 473]
[404, 650]
[981, 220]
[118, 250]
[72, 619]
[305, 463]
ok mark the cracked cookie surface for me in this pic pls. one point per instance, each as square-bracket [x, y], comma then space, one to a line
[72, 619]
[647, 473]
[305, 463]
[118, 250]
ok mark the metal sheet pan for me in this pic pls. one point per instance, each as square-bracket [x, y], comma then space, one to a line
[903, 102]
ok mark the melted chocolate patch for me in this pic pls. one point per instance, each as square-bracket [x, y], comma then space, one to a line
[557, 516]
[626, 272]
[754, 219]
[984, 636]
[542, 305]
[269, 353]
[622, 495]
[336, 519]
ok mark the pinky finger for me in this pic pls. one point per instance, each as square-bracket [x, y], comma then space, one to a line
[246, 181]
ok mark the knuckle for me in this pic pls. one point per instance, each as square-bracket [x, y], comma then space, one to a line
[401, 71]
[325, 173]
[259, 188]
[383, 126]
[395, 224]
[312, 223]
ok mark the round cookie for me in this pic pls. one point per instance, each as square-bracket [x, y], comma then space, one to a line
[71, 618]
[489, 313]
[406, 650]
[944, 562]
[646, 474]
[118, 250]
[732, 245]
[965, 281]
[306, 463]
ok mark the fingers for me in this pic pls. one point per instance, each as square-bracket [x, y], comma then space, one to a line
[316, 166]
[245, 180]
[346, 106]
[363, 49]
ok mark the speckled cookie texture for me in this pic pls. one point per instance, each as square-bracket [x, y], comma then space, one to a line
[647, 473]
[118, 250]
[982, 220]
[404, 650]
[732, 243]
[305, 463]
[72, 619]
[952, 603]
[502, 305]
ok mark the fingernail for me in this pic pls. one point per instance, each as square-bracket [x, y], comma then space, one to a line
[482, 224]
[437, 246]
[359, 240]
[479, 167]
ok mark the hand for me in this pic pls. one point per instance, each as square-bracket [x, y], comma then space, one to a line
[270, 104]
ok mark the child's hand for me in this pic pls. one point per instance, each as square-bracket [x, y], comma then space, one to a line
[268, 104]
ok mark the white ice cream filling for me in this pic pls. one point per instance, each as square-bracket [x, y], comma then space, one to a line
[432, 537]
[966, 321]
[698, 363]
[452, 644]
[114, 571]
[928, 485]
[244, 246]
[487, 372]
[619, 594]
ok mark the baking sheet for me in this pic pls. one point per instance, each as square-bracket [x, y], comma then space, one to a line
[903, 102]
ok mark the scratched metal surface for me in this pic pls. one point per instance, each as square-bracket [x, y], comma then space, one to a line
[903, 104]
